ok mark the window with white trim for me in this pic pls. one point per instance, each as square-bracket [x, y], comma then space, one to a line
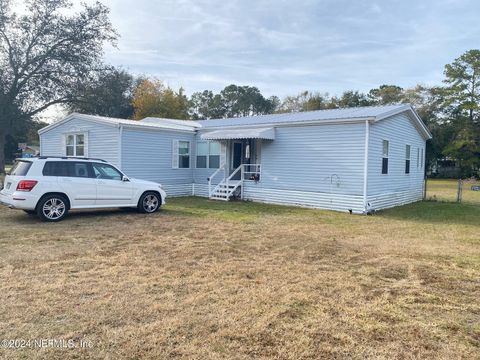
[184, 154]
[385, 146]
[202, 155]
[214, 150]
[418, 157]
[75, 144]
[407, 159]
[421, 159]
[208, 155]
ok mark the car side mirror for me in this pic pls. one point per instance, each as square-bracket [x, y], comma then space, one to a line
[125, 178]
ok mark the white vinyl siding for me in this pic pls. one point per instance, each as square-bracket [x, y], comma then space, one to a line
[150, 155]
[397, 188]
[101, 140]
[317, 158]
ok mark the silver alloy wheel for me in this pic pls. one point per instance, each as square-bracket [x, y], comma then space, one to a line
[53, 209]
[150, 203]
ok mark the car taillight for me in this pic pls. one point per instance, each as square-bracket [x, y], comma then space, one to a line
[26, 185]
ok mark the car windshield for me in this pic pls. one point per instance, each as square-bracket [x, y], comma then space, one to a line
[20, 168]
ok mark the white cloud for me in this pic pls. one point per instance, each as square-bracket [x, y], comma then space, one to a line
[286, 46]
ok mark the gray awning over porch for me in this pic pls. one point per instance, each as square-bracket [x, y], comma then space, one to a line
[252, 133]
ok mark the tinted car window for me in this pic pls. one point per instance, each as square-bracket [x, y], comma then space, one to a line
[21, 168]
[105, 171]
[79, 169]
[66, 169]
[55, 168]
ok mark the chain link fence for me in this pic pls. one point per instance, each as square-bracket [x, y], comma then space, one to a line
[451, 190]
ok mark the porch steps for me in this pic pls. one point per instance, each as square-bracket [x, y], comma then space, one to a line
[223, 191]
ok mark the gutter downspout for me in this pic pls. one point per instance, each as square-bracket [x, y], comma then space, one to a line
[365, 168]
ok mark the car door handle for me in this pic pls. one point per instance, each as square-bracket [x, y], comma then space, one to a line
[67, 180]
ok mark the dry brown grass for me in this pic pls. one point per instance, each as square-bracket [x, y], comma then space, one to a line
[242, 280]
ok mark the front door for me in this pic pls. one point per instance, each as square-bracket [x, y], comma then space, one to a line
[237, 155]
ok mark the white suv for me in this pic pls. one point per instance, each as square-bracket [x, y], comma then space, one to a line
[51, 186]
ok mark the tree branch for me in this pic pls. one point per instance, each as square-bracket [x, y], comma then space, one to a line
[48, 104]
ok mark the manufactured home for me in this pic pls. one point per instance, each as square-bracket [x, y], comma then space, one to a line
[354, 159]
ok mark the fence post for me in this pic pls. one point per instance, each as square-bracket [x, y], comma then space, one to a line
[459, 190]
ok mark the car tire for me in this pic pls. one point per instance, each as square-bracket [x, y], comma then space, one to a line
[30, 212]
[149, 202]
[52, 208]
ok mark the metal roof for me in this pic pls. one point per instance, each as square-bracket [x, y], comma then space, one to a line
[161, 121]
[165, 124]
[373, 113]
[251, 133]
[319, 115]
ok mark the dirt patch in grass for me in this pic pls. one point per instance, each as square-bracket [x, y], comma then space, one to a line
[243, 280]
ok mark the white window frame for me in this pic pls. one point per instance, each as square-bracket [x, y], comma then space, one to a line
[418, 157]
[385, 157]
[408, 158]
[209, 153]
[189, 154]
[422, 158]
[85, 144]
[206, 155]
[176, 154]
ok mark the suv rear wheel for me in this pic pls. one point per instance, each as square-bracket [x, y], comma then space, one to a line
[52, 208]
[149, 202]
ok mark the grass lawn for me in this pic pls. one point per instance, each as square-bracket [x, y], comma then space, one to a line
[214, 280]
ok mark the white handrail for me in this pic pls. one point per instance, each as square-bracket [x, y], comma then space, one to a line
[256, 170]
[226, 180]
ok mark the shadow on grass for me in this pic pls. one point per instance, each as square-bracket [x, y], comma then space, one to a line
[435, 212]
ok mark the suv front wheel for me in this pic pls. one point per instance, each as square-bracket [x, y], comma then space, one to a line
[52, 208]
[149, 202]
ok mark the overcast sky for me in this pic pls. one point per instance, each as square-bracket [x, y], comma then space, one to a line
[284, 47]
